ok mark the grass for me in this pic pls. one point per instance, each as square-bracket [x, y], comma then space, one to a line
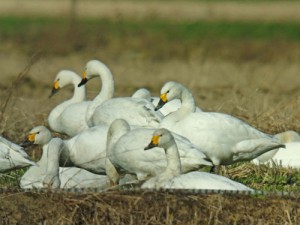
[240, 40]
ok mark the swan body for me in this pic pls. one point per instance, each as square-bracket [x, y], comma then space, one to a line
[172, 178]
[285, 157]
[87, 149]
[12, 156]
[137, 112]
[48, 174]
[69, 116]
[223, 138]
[126, 151]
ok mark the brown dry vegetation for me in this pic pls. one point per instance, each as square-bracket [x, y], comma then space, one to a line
[252, 79]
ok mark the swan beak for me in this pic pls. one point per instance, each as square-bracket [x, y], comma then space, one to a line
[153, 143]
[55, 89]
[162, 101]
[28, 141]
[84, 79]
[83, 82]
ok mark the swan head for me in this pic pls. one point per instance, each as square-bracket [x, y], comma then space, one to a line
[91, 70]
[118, 126]
[62, 79]
[171, 90]
[161, 138]
[142, 93]
[288, 136]
[39, 135]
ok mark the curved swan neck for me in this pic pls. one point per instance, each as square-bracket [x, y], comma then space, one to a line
[79, 92]
[106, 92]
[173, 160]
[187, 107]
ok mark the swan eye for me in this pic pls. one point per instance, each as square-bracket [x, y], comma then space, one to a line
[168, 91]
[37, 132]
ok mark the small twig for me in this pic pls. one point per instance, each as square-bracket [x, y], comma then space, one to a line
[13, 87]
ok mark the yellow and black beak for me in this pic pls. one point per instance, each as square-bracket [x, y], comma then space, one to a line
[84, 79]
[30, 139]
[162, 101]
[153, 143]
[55, 88]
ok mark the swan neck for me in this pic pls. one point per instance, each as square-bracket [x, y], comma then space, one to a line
[106, 92]
[187, 107]
[49, 160]
[79, 92]
[173, 160]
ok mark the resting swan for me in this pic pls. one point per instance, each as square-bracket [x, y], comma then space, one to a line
[12, 156]
[95, 68]
[48, 174]
[136, 111]
[223, 138]
[286, 157]
[126, 151]
[172, 106]
[69, 116]
[171, 177]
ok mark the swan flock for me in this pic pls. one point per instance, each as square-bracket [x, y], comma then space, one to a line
[155, 142]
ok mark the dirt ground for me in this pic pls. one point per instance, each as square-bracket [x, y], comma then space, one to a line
[263, 93]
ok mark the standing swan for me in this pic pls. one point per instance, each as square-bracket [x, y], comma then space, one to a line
[126, 151]
[48, 173]
[69, 116]
[171, 177]
[223, 138]
[12, 156]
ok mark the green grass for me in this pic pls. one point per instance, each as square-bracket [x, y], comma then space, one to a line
[150, 38]
[15, 26]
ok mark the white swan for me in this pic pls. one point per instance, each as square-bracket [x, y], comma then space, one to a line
[87, 149]
[127, 151]
[285, 157]
[69, 116]
[137, 112]
[12, 156]
[223, 138]
[172, 106]
[171, 177]
[48, 173]
[95, 68]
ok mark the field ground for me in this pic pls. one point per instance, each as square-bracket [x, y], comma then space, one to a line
[243, 67]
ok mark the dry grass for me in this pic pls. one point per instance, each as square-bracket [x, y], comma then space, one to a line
[147, 208]
[249, 79]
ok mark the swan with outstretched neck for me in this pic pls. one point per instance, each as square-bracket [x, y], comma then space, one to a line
[172, 176]
[223, 138]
